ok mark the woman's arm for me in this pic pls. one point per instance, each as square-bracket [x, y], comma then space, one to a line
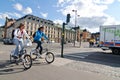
[45, 36]
[25, 33]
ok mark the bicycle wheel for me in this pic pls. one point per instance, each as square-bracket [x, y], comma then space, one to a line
[33, 55]
[27, 61]
[49, 57]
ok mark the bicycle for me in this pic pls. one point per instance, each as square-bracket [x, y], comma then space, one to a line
[22, 57]
[49, 56]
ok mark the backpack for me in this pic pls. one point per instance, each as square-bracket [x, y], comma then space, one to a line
[34, 34]
[13, 33]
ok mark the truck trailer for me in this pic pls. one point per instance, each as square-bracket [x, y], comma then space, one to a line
[110, 38]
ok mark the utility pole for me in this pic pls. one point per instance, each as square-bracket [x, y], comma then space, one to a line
[75, 25]
[63, 34]
[62, 42]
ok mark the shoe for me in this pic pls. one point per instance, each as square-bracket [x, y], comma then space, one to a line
[20, 55]
[15, 57]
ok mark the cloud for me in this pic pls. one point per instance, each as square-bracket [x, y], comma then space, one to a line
[44, 14]
[119, 0]
[58, 21]
[28, 10]
[93, 30]
[9, 15]
[14, 14]
[103, 1]
[92, 12]
[17, 15]
[18, 6]
[4, 15]
[38, 7]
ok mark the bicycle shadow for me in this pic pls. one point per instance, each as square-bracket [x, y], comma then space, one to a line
[9, 68]
[39, 62]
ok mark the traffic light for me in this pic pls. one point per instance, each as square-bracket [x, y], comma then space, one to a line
[68, 18]
[75, 28]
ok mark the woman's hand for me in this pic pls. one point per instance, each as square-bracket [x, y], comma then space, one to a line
[19, 37]
[42, 39]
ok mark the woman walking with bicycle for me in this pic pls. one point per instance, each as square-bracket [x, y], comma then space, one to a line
[18, 39]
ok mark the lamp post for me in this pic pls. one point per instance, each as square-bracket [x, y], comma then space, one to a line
[75, 24]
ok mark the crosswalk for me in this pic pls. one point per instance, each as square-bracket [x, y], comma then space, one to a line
[78, 55]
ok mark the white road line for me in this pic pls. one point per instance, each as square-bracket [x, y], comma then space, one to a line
[79, 56]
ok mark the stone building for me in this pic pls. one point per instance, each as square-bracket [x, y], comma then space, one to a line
[32, 23]
[1, 32]
[86, 35]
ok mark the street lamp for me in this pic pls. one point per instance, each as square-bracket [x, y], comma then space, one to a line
[75, 24]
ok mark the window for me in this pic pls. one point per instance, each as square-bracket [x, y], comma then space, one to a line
[31, 27]
[37, 20]
[31, 33]
[41, 21]
[45, 22]
[27, 27]
[29, 17]
[33, 18]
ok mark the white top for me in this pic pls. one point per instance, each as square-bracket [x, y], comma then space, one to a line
[18, 33]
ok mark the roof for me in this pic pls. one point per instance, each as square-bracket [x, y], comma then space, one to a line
[34, 18]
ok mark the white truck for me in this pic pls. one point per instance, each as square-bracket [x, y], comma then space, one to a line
[110, 38]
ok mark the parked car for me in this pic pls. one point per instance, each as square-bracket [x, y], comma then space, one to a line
[8, 41]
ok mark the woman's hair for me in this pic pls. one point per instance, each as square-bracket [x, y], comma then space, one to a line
[21, 24]
[40, 28]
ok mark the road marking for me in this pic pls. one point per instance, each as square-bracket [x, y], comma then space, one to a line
[82, 56]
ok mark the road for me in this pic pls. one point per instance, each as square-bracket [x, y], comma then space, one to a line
[78, 64]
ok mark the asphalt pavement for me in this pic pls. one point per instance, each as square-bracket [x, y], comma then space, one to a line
[79, 63]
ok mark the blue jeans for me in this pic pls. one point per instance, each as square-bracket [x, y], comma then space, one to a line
[39, 45]
[19, 45]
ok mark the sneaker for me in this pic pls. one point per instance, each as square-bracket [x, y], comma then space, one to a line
[15, 57]
[20, 55]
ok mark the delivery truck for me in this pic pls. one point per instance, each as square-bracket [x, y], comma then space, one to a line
[110, 38]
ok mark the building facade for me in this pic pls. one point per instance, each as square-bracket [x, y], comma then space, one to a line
[86, 35]
[32, 23]
[1, 32]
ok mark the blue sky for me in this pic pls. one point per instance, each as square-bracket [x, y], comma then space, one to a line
[93, 13]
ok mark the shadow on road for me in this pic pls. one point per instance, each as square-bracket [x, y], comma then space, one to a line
[39, 63]
[7, 68]
[96, 57]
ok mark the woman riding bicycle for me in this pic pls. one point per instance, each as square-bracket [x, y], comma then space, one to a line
[39, 36]
[18, 39]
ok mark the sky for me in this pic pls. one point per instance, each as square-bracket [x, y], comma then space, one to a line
[93, 13]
